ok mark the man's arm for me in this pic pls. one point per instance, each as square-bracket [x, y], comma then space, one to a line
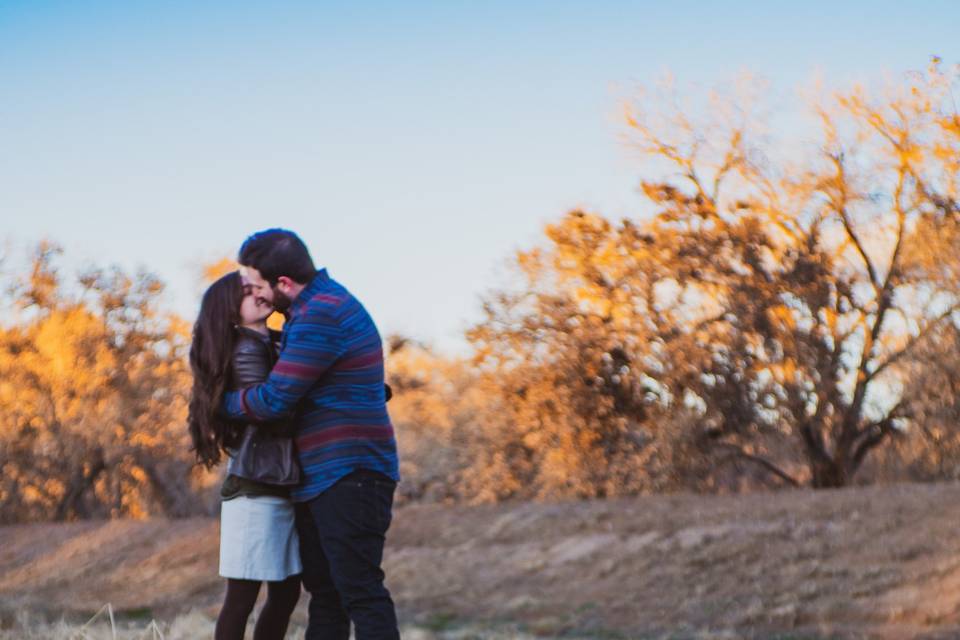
[314, 343]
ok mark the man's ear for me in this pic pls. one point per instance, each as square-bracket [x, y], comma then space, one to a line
[284, 283]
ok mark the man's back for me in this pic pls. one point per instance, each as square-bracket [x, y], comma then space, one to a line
[342, 422]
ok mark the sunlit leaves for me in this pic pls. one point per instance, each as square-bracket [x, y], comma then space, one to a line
[92, 400]
[764, 306]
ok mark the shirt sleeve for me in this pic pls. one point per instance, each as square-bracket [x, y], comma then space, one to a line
[314, 344]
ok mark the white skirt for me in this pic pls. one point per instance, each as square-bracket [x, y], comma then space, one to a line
[258, 539]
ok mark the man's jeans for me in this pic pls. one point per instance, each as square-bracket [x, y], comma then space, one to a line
[342, 532]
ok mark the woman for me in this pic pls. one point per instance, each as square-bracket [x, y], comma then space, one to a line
[231, 349]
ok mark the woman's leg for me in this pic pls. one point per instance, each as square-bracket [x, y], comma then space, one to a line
[237, 605]
[282, 597]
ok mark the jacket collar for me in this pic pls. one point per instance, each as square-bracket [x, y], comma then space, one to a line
[245, 331]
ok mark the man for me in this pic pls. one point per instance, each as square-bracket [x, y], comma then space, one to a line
[329, 380]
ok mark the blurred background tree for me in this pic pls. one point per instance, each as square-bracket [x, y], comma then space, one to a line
[92, 404]
[761, 319]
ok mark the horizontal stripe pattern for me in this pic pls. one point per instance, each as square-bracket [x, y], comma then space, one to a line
[329, 381]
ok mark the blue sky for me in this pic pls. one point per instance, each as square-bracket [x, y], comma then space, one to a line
[414, 146]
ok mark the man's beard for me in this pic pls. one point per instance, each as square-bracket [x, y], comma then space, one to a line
[280, 300]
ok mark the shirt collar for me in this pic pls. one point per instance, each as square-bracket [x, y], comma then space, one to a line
[313, 288]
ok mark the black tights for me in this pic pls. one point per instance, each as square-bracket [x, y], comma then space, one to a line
[274, 616]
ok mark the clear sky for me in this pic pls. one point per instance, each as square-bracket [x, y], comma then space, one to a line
[413, 145]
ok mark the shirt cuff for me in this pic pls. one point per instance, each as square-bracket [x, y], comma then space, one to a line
[233, 404]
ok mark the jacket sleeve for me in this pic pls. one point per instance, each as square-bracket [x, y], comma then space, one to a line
[314, 343]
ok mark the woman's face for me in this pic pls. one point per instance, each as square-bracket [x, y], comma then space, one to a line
[253, 309]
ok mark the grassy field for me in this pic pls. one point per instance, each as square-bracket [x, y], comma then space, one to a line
[879, 562]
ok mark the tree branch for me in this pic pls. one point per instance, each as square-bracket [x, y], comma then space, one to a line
[738, 452]
[873, 434]
[838, 200]
[912, 342]
[852, 234]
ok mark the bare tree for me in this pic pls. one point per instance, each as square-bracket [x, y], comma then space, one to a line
[770, 297]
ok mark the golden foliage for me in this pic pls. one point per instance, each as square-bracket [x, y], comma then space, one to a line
[92, 402]
[763, 310]
[213, 271]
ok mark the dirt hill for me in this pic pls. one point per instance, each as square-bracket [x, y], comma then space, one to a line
[880, 562]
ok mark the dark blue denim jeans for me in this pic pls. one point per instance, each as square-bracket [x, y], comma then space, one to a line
[342, 532]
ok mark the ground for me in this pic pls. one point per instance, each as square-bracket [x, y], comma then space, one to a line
[878, 562]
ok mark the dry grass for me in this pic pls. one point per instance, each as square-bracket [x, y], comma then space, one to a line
[105, 626]
[196, 625]
[880, 562]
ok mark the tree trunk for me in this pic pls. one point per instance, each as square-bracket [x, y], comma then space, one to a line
[72, 502]
[830, 475]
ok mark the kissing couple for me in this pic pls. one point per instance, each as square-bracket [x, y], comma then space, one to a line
[301, 418]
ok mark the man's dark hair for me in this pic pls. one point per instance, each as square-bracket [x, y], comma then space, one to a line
[278, 252]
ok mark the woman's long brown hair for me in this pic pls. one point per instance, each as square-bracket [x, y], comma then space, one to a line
[211, 356]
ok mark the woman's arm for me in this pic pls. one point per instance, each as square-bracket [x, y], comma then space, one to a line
[314, 343]
[252, 361]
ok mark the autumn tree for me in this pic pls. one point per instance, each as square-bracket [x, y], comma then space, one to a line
[92, 398]
[758, 319]
[435, 407]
